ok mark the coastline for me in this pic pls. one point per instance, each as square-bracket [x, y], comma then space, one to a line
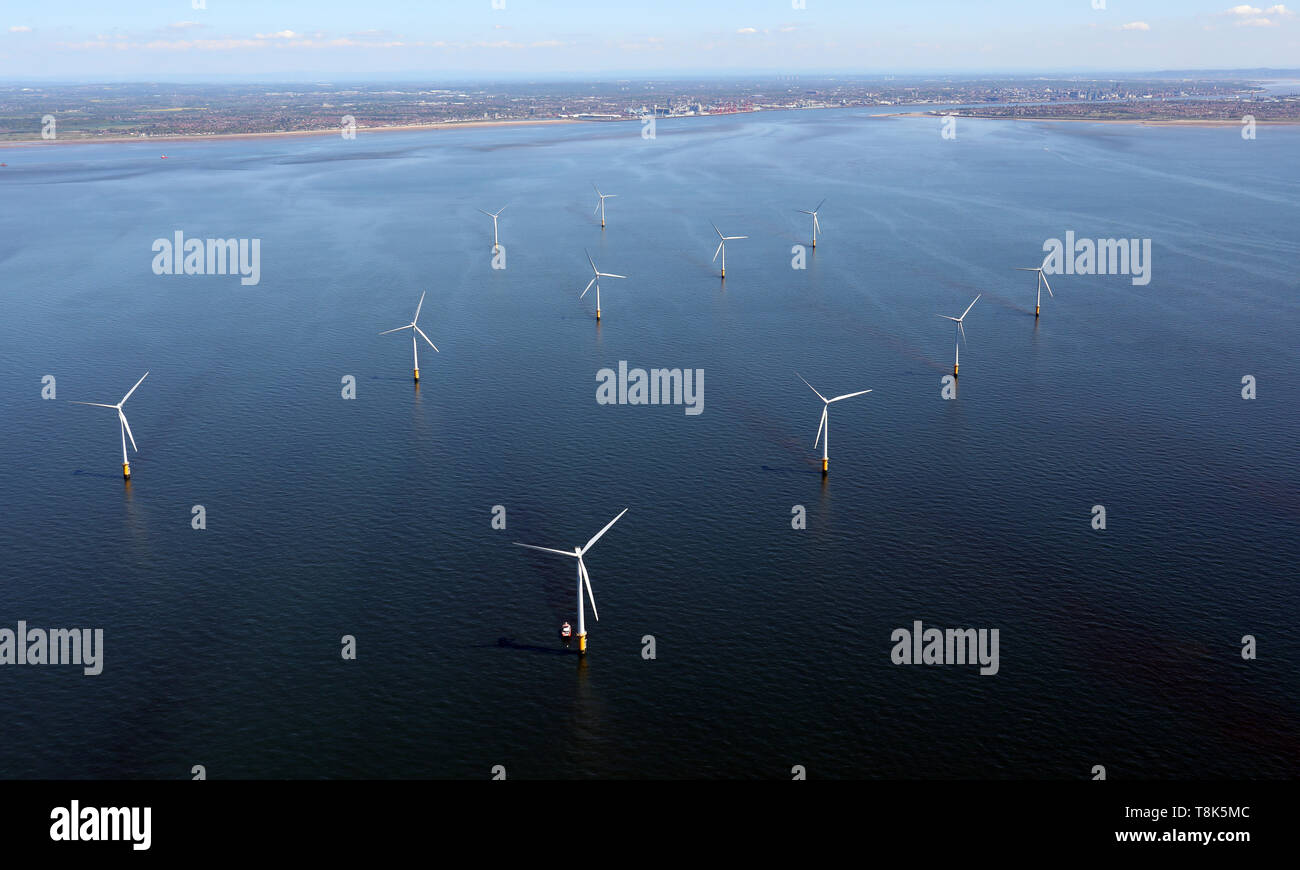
[1146, 122]
[203, 137]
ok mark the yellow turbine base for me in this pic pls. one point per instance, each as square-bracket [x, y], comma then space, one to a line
[826, 466]
[417, 374]
[582, 644]
[1036, 310]
[126, 471]
[598, 314]
[814, 244]
[954, 370]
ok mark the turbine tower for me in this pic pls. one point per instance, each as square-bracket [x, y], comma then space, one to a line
[415, 349]
[961, 332]
[824, 427]
[722, 247]
[122, 424]
[583, 579]
[1042, 279]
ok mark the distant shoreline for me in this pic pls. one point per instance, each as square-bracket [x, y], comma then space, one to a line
[334, 131]
[1147, 122]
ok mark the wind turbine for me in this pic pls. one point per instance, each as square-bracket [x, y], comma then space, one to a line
[600, 207]
[415, 349]
[596, 276]
[583, 578]
[1042, 279]
[961, 331]
[823, 428]
[123, 425]
[495, 243]
[722, 247]
[816, 224]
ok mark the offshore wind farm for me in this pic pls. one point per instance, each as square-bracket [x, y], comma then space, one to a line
[374, 516]
[1062, 551]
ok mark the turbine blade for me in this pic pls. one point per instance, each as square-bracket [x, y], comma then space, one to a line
[488, 213]
[398, 329]
[597, 189]
[611, 196]
[596, 209]
[1045, 261]
[596, 537]
[426, 338]
[544, 549]
[416, 318]
[127, 426]
[810, 386]
[591, 596]
[820, 427]
[588, 287]
[969, 307]
[801, 211]
[96, 404]
[733, 238]
[1043, 275]
[132, 390]
[1026, 269]
[591, 261]
[819, 206]
[850, 395]
[817, 225]
[715, 229]
[962, 330]
[946, 317]
[719, 250]
[610, 275]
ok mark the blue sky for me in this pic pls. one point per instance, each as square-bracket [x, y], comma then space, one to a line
[133, 39]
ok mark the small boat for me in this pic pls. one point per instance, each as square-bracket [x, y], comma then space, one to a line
[566, 631]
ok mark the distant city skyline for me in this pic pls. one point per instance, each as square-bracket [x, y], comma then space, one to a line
[401, 39]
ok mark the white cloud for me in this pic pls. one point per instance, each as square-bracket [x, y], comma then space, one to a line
[20, 28]
[1256, 22]
[282, 34]
[184, 25]
[1244, 10]
[746, 31]
[1136, 25]
[1279, 9]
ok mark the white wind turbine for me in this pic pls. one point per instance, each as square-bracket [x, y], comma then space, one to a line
[961, 332]
[596, 276]
[1042, 279]
[415, 349]
[494, 215]
[817, 227]
[583, 578]
[600, 207]
[122, 424]
[722, 247]
[823, 428]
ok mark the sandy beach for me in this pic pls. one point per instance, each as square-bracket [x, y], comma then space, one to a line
[361, 131]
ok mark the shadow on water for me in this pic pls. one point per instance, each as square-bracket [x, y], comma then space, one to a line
[102, 474]
[510, 643]
[790, 470]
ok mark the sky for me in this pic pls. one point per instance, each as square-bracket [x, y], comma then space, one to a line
[94, 40]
